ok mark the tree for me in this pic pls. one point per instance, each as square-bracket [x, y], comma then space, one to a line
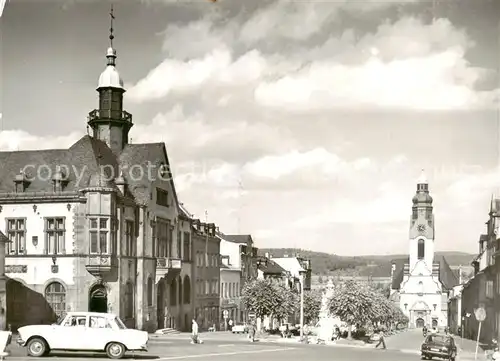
[353, 303]
[312, 305]
[288, 301]
[268, 298]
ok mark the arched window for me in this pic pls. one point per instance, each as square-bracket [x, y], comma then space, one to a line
[129, 300]
[421, 249]
[150, 291]
[420, 288]
[179, 294]
[173, 293]
[55, 294]
[187, 290]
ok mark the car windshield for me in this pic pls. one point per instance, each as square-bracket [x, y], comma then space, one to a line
[439, 339]
[60, 319]
[120, 324]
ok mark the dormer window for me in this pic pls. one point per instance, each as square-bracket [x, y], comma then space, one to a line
[163, 171]
[22, 182]
[59, 180]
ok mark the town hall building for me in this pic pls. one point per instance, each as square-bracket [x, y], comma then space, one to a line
[421, 283]
[96, 226]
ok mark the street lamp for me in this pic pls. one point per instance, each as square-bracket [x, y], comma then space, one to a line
[301, 280]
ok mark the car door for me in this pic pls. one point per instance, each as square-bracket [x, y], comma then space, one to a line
[68, 336]
[99, 333]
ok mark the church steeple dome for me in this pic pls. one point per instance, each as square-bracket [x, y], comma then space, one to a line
[110, 123]
[110, 78]
[422, 197]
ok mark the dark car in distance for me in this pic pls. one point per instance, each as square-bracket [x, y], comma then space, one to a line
[439, 346]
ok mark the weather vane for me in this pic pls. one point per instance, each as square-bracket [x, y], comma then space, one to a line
[112, 17]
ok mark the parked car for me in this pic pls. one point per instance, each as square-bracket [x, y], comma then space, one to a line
[240, 328]
[439, 346]
[83, 331]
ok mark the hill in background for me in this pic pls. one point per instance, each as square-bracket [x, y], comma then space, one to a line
[374, 266]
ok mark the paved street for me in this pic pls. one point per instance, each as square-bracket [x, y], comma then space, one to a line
[180, 349]
[226, 346]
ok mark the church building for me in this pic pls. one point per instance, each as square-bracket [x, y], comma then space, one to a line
[421, 283]
[96, 226]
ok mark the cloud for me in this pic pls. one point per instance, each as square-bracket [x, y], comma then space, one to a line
[403, 65]
[303, 129]
[11, 140]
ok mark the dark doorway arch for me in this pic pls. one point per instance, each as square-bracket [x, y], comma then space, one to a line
[160, 305]
[98, 299]
[173, 292]
[187, 290]
[420, 322]
[434, 323]
[179, 292]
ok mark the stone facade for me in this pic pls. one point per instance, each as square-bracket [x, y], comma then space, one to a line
[97, 226]
[206, 248]
[230, 297]
[420, 287]
[483, 289]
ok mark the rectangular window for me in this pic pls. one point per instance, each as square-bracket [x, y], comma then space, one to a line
[16, 232]
[130, 248]
[154, 251]
[162, 229]
[207, 287]
[55, 236]
[99, 235]
[170, 252]
[187, 247]
[179, 244]
[161, 197]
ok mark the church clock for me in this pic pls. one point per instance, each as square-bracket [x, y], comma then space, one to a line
[421, 228]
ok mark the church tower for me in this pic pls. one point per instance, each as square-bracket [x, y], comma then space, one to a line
[422, 228]
[110, 123]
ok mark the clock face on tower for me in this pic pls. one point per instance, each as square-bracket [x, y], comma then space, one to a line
[421, 228]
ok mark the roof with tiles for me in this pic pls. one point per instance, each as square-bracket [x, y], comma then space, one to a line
[78, 163]
[87, 163]
[238, 238]
[448, 277]
[270, 267]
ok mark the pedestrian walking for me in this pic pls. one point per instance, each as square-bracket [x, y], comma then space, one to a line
[381, 340]
[194, 333]
[251, 332]
[230, 324]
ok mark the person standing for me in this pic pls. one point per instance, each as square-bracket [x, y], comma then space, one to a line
[194, 333]
[230, 324]
[381, 340]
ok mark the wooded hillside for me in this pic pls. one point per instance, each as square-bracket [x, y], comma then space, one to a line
[375, 266]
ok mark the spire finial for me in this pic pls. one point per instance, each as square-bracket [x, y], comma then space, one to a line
[111, 18]
[422, 179]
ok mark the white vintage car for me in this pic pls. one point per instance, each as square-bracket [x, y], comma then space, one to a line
[83, 331]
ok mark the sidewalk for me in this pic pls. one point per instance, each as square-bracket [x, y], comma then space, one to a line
[467, 349]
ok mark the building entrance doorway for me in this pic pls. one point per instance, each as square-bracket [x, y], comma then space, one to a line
[420, 323]
[434, 323]
[98, 299]
[160, 305]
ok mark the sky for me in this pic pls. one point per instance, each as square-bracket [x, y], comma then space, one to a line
[303, 123]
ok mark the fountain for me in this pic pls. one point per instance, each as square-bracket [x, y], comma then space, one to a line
[327, 322]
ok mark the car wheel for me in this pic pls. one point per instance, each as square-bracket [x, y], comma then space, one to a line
[36, 347]
[115, 350]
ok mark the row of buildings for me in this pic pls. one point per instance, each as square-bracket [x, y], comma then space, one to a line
[483, 289]
[99, 227]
